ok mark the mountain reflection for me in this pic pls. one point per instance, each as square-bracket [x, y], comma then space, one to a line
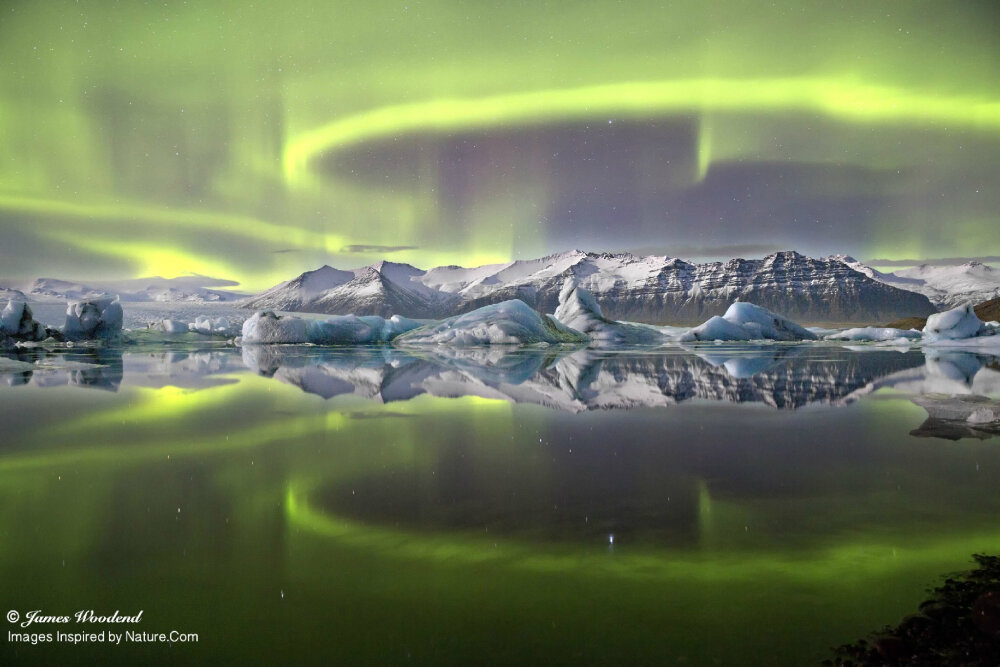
[570, 380]
[779, 376]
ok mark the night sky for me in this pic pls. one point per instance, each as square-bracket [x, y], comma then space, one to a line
[253, 142]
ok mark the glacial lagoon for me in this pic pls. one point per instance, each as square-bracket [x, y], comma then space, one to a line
[699, 505]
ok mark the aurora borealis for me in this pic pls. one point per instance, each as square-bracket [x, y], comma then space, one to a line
[255, 142]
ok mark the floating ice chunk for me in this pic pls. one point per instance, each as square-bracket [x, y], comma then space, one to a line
[18, 322]
[716, 328]
[875, 333]
[507, 323]
[207, 326]
[93, 318]
[266, 327]
[218, 326]
[174, 326]
[580, 311]
[350, 329]
[762, 323]
[746, 321]
[955, 324]
[979, 410]
[344, 329]
[397, 324]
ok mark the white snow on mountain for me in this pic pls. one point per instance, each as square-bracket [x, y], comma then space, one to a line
[11, 294]
[383, 289]
[193, 289]
[653, 289]
[946, 286]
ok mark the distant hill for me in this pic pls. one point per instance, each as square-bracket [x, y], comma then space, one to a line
[946, 286]
[192, 289]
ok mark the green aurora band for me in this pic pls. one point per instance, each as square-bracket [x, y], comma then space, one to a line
[226, 140]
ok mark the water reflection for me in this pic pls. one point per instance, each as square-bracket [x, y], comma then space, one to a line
[581, 380]
[345, 489]
[95, 368]
[565, 379]
[954, 417]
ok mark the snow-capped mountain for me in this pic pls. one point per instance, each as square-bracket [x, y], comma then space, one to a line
[300, 293]
[383, 288]
[639, 289]
[945, 286]
[9, 293]
[664, 289]
[185, 288]
[53, 289]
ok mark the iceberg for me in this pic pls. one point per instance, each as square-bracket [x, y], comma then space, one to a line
[93, 318]
[266, 327]
[353, 330]
[506, 323]
[17, 322]
[746, 321]
[978, 410]
[580, 311]
[206, 326]
[174, 326]
[875, 334]
[716, 328]
[955, 324]
[218, 326]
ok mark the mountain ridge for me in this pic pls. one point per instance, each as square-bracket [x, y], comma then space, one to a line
[654, 289]
[946, 286]
[153, 288]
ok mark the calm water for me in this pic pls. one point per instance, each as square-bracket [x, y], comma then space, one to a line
[719, 505]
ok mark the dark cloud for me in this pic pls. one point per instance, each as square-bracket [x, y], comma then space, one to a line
[198, 280]
[368, 249]
[941, 261]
